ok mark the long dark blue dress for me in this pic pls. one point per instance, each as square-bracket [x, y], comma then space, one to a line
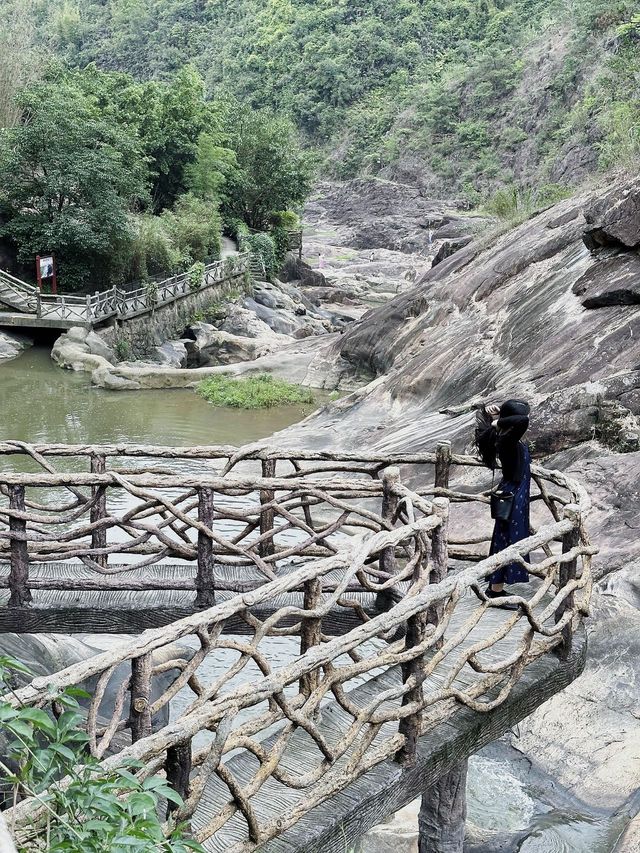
[506, 533]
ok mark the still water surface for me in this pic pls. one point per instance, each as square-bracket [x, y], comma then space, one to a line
[41, 403]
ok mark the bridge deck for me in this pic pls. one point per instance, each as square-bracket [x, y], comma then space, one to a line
[128, 611]
[337, 823]
[16, 320]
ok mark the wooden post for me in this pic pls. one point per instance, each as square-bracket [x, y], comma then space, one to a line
[310, 633]
[443, 464]
[267, 516]
[390, 501]
[439, 555]
[99, 510]
[178, 769]
[443, 813]
[410, 726]
[568, 573]
[140, 708]
[38, 304]
[205, 579]
[19, 573]
[416, 629]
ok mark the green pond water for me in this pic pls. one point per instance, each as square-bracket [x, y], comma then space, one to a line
[41, 403]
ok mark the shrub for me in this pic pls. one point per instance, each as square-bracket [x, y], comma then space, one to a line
[195, 226]
[287, 219]
[153, 249]
[122, 348]
[264, 247]
[196, 275]
[256, 392]
[95, 811]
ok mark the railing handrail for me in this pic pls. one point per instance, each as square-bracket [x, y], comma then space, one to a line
[92, 304]
[156, 637]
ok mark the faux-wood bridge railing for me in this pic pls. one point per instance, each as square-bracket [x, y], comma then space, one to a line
[375, 588]
[115, 302]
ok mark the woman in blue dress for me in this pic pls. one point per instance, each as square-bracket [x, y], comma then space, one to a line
[499, 433]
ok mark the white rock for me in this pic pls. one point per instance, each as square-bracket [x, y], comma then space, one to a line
[12, 344]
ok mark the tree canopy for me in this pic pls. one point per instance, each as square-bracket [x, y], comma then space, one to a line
[123, 178]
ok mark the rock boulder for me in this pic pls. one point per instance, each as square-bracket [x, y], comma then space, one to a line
[12, 344]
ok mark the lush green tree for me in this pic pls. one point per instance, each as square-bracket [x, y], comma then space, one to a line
[68, 179]
[273, 172]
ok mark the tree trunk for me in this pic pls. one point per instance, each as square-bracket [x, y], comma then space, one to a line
[443, 813]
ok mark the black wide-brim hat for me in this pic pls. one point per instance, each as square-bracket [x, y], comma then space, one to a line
[513, 412]
[515, 407]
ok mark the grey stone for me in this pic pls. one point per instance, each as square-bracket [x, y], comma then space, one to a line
[172, 354]
[12, 344]
[613, 281]
[613, 218]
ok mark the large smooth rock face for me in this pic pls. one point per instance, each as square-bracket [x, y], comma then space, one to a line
[614, 281]
[372, 213]
[11, 344]
[613, 218]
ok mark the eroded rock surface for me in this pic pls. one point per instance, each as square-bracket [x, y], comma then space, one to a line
[508, 318]
[12, 344]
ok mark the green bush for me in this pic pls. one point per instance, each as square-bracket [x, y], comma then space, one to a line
[96, 811]
[514, 203]
[287, 219]
[196, 274]
[255, 392]
[122, 348]
[154, 252]
[195, 226]
[263, 245]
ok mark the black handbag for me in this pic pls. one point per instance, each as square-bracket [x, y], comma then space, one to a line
[502, 505]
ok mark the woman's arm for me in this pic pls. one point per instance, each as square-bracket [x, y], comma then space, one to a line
[485, 438]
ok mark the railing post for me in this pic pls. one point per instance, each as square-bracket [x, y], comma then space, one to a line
[390, 501]
[38, 305]
[439, 555]
[310, 633]
[410, 725]
[567, 573]
[140, 708]
[267, 516]
[205, 579]
[178, 769]
[99, 510]
[88, 304]
[443, 464]
[19, 573]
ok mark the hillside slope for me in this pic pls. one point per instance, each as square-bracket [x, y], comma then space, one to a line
[462, 96]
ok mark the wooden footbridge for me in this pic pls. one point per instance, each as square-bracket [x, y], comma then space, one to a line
[322, 650]
[29, 308]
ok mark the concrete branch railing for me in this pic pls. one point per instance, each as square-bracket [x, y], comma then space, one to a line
[116, 303]
[427, 641]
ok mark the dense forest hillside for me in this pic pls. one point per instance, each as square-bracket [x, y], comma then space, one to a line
[464, 96]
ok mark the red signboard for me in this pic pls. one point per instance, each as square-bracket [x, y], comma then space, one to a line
[46, 271]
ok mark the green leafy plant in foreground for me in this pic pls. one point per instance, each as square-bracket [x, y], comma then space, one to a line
[91, 811]
[256, 392]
